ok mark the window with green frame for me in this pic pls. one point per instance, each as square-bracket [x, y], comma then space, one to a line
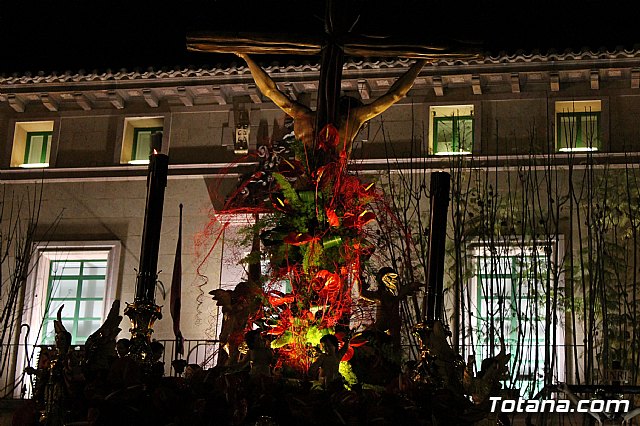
[578, 131]
[510, 309]
[453, 134]
[142, 142]
[37, 148]
[79, 285]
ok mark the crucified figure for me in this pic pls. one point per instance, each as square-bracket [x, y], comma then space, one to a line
[351, 116]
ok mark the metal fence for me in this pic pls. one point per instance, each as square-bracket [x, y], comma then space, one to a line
[202, 352]
[15, 358]
[527, 369]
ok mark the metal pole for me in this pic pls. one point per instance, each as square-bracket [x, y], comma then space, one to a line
[156, 183]
[144, 311]
[438, 231]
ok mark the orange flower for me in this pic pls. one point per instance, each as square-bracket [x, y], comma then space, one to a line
[332, 217]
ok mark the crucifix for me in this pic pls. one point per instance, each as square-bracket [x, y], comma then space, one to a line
[336, 42]
[333, 45]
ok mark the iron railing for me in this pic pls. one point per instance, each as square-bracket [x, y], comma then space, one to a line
[15, 358]
[525, 368]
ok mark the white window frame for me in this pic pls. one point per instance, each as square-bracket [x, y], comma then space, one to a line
[19, 146]
[452, 111]
[514, 249]
[35, 296]
[132, 123]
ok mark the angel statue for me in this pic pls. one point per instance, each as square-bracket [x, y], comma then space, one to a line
[237, 305]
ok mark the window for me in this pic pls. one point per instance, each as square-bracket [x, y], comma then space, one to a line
[37, 148]
[578, 126]
[82, 276]
[136, 143]
[508, 295]
[78, 286]
[32, 144]
[142, 143]
[452, 129]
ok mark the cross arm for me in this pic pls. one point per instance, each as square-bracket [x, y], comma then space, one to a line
[402, 47]
[353, 45]
[397, 91]
[205, 41]
[269, 88]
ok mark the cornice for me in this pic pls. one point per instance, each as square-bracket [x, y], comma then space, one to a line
[557, 161]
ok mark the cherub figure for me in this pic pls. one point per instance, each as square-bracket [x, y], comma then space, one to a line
[157, 365]
[439, 365]
[237, 306]
[122, 347]
[327, 364]
[353, 114]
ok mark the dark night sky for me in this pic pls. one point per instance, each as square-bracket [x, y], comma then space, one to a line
[73, 35]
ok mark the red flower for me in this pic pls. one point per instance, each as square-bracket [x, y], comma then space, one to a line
[297, 238]
[355, 342]
[348, 355]
[308, 314]
[326, 282]
[277, 298]
[326, 174]
[278, 329]
[332, 217]
[351, 220]
[328, 138]
[280, 202]
[366, 217]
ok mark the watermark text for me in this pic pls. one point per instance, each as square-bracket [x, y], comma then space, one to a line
[558, 405]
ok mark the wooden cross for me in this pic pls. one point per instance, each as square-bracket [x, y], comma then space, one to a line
[336, 42]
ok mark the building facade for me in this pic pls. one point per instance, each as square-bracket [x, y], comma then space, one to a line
[543, 126]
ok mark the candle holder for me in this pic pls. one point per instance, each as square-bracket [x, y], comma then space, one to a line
[143, 315]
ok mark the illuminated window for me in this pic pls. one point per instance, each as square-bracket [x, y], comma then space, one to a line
[508, 292]
[32, 144]
[37, 148]
[142, 142]
[83, 276]
[136, 141]
[578, 126]
[78, 286]
[451, 130]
